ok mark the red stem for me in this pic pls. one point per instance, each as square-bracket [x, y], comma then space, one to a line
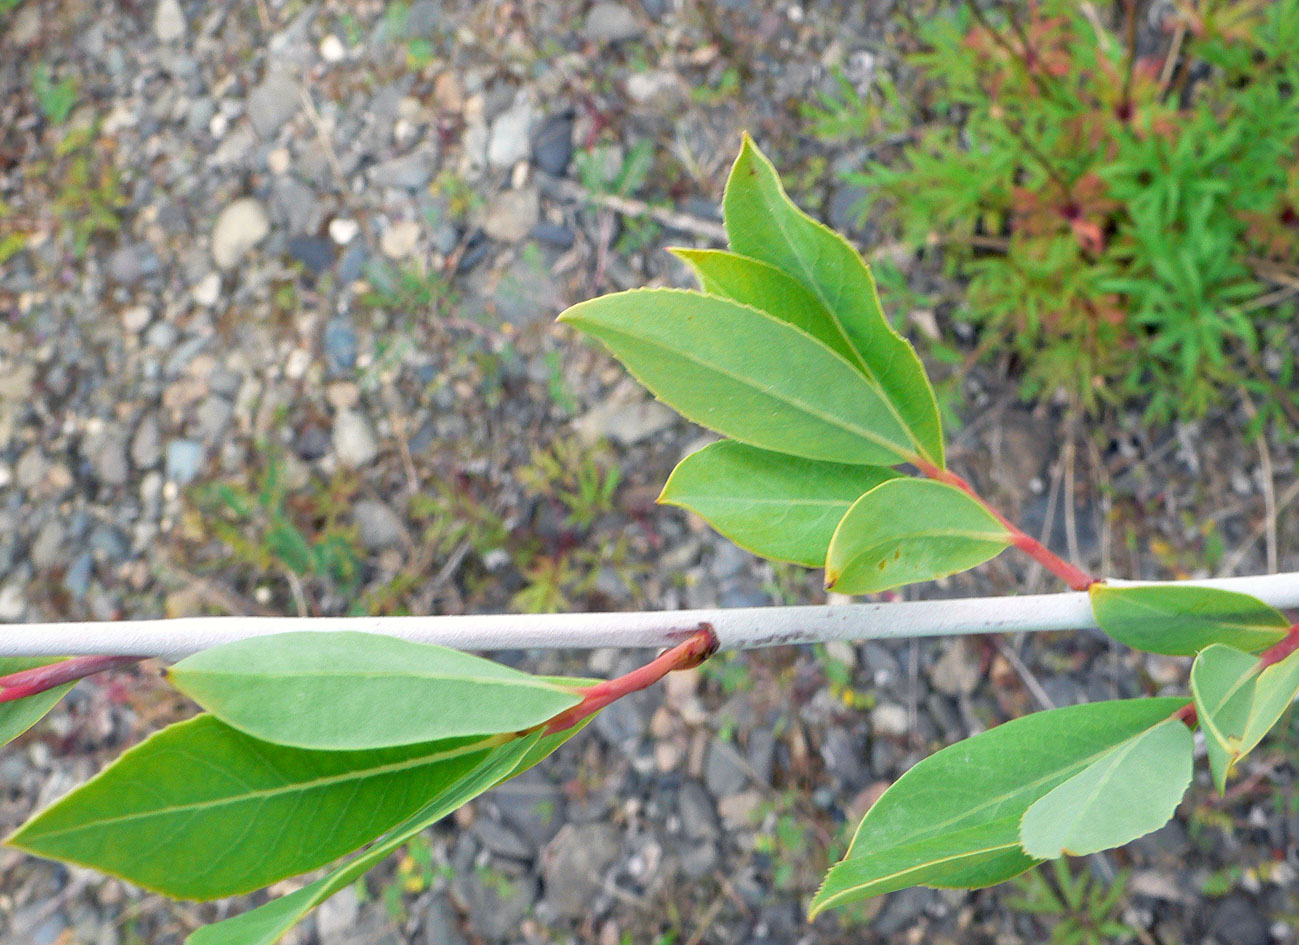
[1187, 714]
[701, 645]
[1072, 575]
[29, 682]
[1279, 650]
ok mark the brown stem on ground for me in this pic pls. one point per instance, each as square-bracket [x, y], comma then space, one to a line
[701, 645]
[1072, 575]
[29, 682]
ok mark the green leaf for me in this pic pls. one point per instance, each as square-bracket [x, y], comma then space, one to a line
[200, 810]
[909, 530]
[763, 223]
[267, 923]
[1128, 792]
[768, 289]
[345, 690]
[1238, 704]
[776, 506]
[18, 716]
[747, 374]
[1275, 690]
[1181, 620]
[953, 819]
[1222, 684]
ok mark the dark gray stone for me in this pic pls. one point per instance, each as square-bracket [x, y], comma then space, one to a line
[340, 344]
[441, 925]
[552, 146]
[314, 252]
[129, 264]
[1237, 921]
[841, 754]
[501, 839]
[497, 898]
[533, 805]
[77, 579]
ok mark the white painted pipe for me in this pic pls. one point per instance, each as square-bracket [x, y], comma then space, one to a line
[737, 629]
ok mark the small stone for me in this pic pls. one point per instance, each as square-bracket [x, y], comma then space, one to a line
[891, 719]
[147, 443]
[45, 549]
[611, 23]
[212, 417]
[1237, 921]
[698, 815]
[411, 171]
[512, 214]
[332, 49]
[426, 18]
[107, 455]
[501, 839]
[957, 671]
[241, 226]
[400, 239]
[340, 345]
[449, 92]
[12, 602]
[378, 526]
[553, 147]
[353, 441]
[184, 457]
[76, 580]
[314, 252]
[441, 924]
[207, 291]
[511, 135]
[739, 811]
[342, 231]
[168, 21]
[272, 104]
[624, 423]
[129, 264]
[725, 771]
[575, 864]
[279, 161]
[336, 917]
[136, 318]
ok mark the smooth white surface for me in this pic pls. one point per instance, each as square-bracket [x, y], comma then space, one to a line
[737, 629]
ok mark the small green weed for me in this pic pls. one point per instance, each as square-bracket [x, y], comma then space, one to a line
[583, 480]
[1081, 909]
[269, 529]
[56, 99]
[1130, 232]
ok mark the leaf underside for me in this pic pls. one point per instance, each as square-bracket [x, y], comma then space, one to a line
[338, 690]
[1180, 620]
[954, 818]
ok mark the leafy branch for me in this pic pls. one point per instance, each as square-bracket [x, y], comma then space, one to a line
[827, 415]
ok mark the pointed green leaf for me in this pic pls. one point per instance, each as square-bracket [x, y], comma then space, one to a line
[777, 506]
[1222, 684]
[345, 690]
[1275, 690]
[200, 810]
[18, 716]
[747, 374]
[1181, 620]
[953, 819]
[763, 223]
[909, 530]
[768, 289]
[266, 924]
[1128, 792]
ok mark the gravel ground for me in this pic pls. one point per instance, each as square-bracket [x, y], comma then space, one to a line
[292, 268]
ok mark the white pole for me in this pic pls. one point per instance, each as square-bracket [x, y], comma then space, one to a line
[737, 629]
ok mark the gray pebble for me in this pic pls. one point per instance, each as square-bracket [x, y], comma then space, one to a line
[353, 440]
[184, 457]
[575, 866]
[77, 579]
[340, 345]
[272, 104]
[45, 549]
[146, 444]
[377, 525]
[725, 771]
[511, 135]
[552, 147]
[611, 23]
[411, 171]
